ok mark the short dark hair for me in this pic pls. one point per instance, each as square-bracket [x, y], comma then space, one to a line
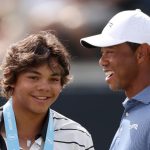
[133, 46]
[33, 51]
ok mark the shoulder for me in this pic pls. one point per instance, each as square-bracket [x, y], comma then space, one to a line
[69, 130]
[61, 121]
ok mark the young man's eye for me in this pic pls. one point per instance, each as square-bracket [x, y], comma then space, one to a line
[33, 77]
[55, 79]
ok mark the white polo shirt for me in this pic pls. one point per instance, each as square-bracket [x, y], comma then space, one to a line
[68, 135]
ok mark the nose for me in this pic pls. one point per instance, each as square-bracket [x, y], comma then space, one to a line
[103, 61]
[44, 86]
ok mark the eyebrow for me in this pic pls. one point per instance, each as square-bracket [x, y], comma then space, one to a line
[109, 47]
[38, 73]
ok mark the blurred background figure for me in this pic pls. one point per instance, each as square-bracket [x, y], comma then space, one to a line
[88, 99]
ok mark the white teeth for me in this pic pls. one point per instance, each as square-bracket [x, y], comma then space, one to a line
[41, 98]
[109, 73]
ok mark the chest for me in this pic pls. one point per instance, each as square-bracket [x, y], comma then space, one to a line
[134, 130]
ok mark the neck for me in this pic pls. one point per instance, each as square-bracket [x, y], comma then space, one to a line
[31, 126]
[141, 80]
[135, 89]
[28, 124]
[28, 128]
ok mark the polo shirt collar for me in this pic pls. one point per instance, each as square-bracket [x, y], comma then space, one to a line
[143, 97]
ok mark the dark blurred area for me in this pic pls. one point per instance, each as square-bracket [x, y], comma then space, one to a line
[97, 109]
[87, 99]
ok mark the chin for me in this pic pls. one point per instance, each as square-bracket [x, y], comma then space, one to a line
[115, 87]
[40, 110]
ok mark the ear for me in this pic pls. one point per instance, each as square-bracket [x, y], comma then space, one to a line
[143, 53]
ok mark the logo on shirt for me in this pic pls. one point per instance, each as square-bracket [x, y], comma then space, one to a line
[133, 126]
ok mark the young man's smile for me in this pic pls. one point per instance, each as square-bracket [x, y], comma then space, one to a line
[37, 89]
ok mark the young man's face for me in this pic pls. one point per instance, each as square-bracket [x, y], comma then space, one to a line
[120, 66]
[37, 89]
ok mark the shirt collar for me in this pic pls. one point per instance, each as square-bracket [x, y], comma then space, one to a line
[143, 96]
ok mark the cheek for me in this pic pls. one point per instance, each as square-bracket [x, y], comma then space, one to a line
[57, 90]
[22, 87]
[128, 70]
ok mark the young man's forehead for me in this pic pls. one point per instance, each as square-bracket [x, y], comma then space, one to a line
[37, 71]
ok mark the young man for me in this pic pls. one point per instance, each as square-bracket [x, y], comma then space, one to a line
[125, 60]
[35, 71]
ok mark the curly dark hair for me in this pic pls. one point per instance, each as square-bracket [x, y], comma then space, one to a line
[33, 51]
